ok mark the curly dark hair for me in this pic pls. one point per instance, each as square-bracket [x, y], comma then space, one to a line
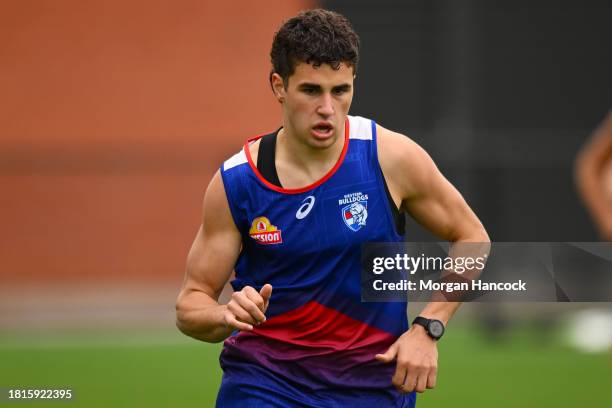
[315, 36]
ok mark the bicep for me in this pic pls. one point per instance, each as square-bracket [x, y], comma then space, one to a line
[439, 207]
[216, 246]
[423, 191]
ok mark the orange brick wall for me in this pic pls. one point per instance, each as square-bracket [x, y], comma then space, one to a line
[113, 116]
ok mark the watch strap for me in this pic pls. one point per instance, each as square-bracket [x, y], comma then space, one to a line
[422, 321]
[426, 323]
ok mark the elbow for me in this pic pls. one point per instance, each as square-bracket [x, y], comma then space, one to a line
[184, 327]
[484, 236]
[475, 234]
[187, 323]
[486, 242]
[480, 233]
[180, 321]
[181, 327]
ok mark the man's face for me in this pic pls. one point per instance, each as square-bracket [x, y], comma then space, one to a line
[315, 102]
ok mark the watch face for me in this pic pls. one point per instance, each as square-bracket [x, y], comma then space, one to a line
[436, 328]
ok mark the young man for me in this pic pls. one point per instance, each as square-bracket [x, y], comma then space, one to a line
[289, 213]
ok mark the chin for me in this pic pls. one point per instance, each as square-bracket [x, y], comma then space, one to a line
[323, 143]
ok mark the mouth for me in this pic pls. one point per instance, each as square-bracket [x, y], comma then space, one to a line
[322, 130]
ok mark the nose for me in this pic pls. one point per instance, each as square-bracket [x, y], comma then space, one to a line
[325, 107]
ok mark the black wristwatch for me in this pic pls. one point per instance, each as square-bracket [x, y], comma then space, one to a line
[434, 328]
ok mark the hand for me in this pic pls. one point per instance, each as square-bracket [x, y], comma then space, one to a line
[417, 360]
[247, 307]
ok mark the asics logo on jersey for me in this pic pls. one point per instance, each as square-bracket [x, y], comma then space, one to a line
[305, 208]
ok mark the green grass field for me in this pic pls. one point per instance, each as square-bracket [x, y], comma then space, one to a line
[166, 369]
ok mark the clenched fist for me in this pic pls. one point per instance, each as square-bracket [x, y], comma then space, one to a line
[247, 307]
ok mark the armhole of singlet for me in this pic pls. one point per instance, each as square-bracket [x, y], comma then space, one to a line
[399, 218]
[266, 155]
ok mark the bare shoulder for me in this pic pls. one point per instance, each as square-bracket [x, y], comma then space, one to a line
[216, 245]
[214, 198]
[405, 164]
[216, 213]
[390, 141]
[424, 192]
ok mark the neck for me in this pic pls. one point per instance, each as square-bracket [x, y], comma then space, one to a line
[299, 164]
[311, 160]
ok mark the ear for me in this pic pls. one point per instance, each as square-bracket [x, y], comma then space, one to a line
[278, 87]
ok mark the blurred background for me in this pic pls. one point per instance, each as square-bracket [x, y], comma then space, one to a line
[115, 114]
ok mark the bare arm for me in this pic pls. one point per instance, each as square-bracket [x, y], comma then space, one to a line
[210, 263]
[590, 166]
[424, 192]
[416, 183]
[430, 199]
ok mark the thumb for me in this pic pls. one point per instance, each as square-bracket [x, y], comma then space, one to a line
[265, 293]
[389, 355]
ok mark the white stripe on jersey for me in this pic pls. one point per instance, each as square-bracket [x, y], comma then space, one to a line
[360, 128]
[235, 160]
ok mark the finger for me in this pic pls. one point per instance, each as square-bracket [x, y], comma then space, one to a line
[421, 382]
[399, 378]
[266, 293]
[239, 312]
[388, 355]
[411, 380]
[432, 378]
[254, 296]
[251, 308]
[231, 321]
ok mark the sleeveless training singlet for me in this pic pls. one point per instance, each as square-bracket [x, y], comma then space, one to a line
[318, 344]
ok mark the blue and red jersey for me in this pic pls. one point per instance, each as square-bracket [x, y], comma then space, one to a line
[318, 343]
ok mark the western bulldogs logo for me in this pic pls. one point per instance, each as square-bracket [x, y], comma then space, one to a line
[355, 210]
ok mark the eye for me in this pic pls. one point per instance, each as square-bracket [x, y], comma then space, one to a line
[309, 91]
[339, 91]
